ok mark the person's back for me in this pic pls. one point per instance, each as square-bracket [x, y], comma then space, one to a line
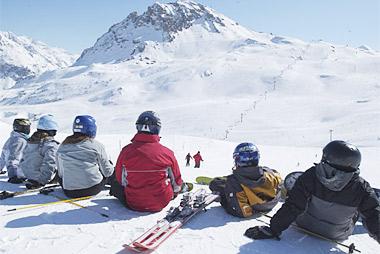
[39, 159]
[82, 161]
[332, 208]
[251, 188]
[13, 150]
[328, 198]
[147, 171]
[197, 159]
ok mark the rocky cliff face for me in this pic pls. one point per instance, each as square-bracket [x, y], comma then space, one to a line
[161, 23]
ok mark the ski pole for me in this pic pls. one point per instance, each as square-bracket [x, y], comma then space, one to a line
[7, 194]
[76, 204]
[50, 203]
[351, 248]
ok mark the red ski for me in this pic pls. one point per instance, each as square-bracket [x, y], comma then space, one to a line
[191, 204]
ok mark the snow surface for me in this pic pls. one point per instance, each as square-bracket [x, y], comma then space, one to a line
[215, 84]
[65, 228]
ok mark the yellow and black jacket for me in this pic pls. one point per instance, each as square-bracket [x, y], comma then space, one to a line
[248, 189]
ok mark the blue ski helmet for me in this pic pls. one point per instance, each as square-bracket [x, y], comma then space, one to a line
[149, 122]
[47, 123]
[86, 125]
[246, 154]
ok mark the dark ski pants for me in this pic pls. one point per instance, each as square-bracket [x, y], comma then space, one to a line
[91, 191]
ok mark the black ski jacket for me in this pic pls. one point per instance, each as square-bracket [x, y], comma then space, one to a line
[330, 213]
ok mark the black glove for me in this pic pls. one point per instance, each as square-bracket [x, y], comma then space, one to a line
[260, 232]
[31, 184]
[6, 194]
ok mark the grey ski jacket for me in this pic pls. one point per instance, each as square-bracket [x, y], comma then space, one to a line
[12, 153]
[82, 164]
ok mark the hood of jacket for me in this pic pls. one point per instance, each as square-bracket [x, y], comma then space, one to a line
[250, 176]
[19, 135]
[73, 139]
[332, 178]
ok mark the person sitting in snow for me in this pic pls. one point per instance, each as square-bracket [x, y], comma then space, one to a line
[188, 158]
[328, 198]
[197, 159]
[147, 173]
[250, 188]
[13, 148]
[83, 164]
[39, 158]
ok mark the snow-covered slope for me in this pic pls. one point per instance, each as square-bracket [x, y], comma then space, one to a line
[23, 58]
[208, 76]
[68, 229]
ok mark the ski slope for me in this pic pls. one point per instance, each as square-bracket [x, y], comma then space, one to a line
[66, 228]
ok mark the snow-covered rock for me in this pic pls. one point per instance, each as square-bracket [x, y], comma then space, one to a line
[23, 58]
[160, 25]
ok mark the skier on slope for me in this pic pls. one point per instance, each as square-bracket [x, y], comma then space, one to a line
[328, 198]
[83, 164]
[147, 173]
[39, 158]
[250, 187]
[197, 159]
[188, 158]
[13, 148]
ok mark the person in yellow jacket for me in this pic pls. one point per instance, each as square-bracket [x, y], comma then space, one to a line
[250, 188]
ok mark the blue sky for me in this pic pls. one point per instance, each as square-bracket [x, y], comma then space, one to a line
[76, 24]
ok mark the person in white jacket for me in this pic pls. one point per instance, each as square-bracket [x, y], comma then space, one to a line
[39, 158]
[13, 149]
[83, 164]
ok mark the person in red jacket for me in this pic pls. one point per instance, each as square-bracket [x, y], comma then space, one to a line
[147, 175]
[197, 159]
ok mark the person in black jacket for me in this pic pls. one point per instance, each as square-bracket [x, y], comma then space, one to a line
[328, 198]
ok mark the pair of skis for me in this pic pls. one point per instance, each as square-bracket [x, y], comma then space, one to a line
[191, 204]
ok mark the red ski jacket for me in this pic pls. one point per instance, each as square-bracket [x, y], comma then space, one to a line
[197, 158]
[149, 173]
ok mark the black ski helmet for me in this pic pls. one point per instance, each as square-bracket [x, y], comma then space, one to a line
[342, 156]
[148, 122]
[21, 125]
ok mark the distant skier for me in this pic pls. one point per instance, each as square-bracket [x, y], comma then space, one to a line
[328, 198]
[13, 148]
[250, 188]
[147, 173]
[83, 164]
[197, 159]
[188, 158]
[39, 157]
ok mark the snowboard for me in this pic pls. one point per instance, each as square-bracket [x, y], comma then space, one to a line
[203, 180]
[191, 205]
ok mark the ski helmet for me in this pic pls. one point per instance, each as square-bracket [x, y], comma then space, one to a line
[246, 154]
[47, 123]
[21, 125]
[342, 156]
[149, 122]
[86, 125]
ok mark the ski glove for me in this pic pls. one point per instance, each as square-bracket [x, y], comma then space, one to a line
[260, 232]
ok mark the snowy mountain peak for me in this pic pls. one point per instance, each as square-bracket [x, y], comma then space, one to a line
[160, 23]
[172, 18]
[22, 57]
